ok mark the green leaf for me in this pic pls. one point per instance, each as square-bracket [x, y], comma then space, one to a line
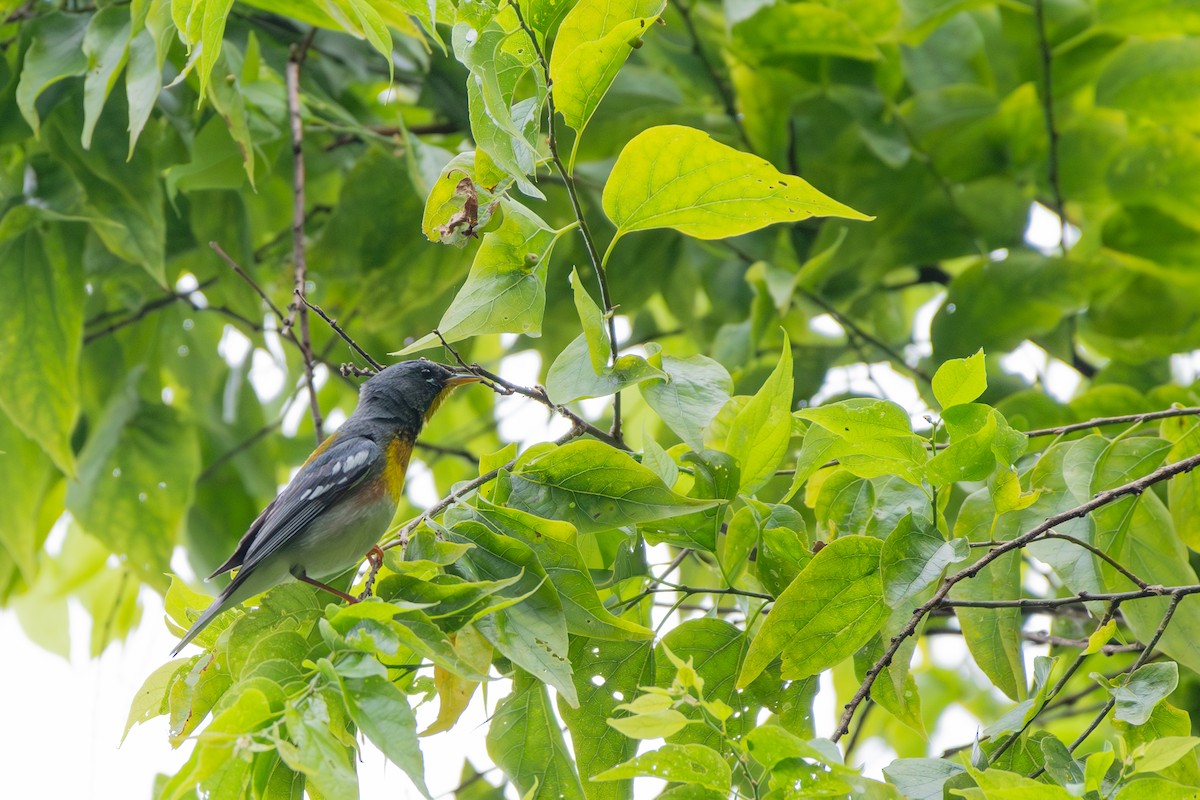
[992, 635]
[152, 698]
[759, 435]
[676, 763]
[456, 208]
[860, 419]
[55, 53]
[1154, 79]
[605, 673]
[1035, 291]
[998, 784]
[696, 389]
[571, 377]
[595, 487]
[914, 556]
[526, 742]
[124, 199]
[921, 778]
[202, 26]
[716, 649]
[960, 380]
[1137, 696]
[776, 33]
[677, 177]
[505, 291]
[554, 544]
[652, 716]
[381, 712]
[832, 608]
[135, 478]
[148, 48]
[106, 45]
[593, 323]
[315, 749]
[592, 44]
[490, 43]
[1153, 788]
[1157, 755]
[22, 464]
[532, 633]
[215, 751]
[41, 334]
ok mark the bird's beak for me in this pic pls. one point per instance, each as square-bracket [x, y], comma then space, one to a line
[462, 377]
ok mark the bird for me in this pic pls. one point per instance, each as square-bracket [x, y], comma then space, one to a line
[332, 513]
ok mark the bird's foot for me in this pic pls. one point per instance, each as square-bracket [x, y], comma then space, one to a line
[375, 559]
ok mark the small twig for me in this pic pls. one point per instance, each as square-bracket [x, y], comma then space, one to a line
[298, 309]
[143, 312]
[538, 393]
[1102, 499]
[573, 193]
[1074, 666]
[727, 99]
[1112, 562]
[1142, 660]
[241, 273]
[1051, 129]
[1042, 637]
[862, 723]
[1126, 419]
[338, 330]
[853, 327]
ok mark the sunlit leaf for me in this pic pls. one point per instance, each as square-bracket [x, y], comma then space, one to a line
[677, 177]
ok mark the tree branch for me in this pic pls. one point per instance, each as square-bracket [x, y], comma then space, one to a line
[375, 365]
[1039, 7]
[298, 309]
[723, 91]
[572, 192]
[1133, 488]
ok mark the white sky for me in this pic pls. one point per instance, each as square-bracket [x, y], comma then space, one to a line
[63, 720]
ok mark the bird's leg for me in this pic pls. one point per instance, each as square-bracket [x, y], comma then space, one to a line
[375, 559]
[349, 598]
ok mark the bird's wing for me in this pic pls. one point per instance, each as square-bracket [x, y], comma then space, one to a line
[321, 483]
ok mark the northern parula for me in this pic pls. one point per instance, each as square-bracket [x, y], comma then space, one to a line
[334, 510]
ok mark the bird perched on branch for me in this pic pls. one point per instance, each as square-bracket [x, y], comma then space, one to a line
[341, 501]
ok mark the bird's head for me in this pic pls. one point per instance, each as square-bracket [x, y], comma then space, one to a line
[405, 395]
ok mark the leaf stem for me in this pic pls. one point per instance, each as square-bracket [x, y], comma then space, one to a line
[589, 242]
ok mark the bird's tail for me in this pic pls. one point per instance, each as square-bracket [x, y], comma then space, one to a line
[224, 601]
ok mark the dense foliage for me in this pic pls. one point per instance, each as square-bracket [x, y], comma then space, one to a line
[179, 181]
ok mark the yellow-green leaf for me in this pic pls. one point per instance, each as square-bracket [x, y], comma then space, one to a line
[678, 177]
[832, 608]
[592, 44]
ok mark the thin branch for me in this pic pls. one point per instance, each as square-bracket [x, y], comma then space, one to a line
[1051, 129]
[569, 182]
[241, 273]
[1042, 637]
[1112, 562]
[298, 309]
[727, 99]
[538, 393]
[1176, 599]
[143, 312]
[338, 330]
[1126, 419]
[853, 327]
[1102, 499]
[1074, 666]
